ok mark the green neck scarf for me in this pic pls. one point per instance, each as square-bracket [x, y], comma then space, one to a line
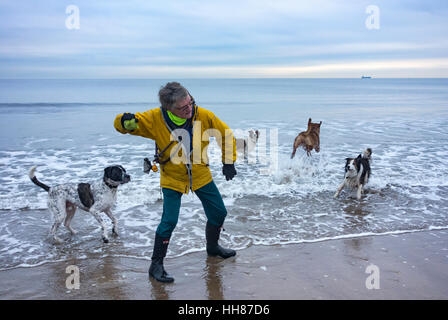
[176, 120]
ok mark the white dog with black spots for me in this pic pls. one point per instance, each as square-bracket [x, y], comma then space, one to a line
[97, 197]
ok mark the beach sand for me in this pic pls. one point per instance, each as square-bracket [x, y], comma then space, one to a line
[410, 266]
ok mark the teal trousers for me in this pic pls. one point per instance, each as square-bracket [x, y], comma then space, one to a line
[211, 201]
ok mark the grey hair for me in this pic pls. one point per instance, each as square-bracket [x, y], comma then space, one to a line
[171, 93]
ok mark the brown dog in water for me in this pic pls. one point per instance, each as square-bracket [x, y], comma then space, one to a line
[308, 139]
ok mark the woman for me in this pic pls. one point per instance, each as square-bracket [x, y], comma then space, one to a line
[181, 131]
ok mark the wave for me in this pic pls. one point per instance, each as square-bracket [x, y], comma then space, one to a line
[290, 202]
[238, 248]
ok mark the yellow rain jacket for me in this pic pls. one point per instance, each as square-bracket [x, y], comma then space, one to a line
[174, 174]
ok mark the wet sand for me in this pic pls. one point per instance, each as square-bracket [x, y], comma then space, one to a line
[410, 266]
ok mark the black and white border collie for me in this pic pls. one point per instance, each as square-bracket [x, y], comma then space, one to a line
[357, 173]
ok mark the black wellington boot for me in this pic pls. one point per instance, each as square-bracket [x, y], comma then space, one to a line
[213, 248]
[156, 270]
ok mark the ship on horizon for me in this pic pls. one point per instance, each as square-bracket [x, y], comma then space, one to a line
[366, 77]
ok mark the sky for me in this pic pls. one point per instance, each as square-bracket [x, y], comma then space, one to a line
[223, 39]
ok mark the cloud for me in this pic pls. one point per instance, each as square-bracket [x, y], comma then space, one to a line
[231, 38]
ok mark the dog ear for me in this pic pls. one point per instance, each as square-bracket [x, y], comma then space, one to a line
[257, 133]
[320, 123]
[107, 172]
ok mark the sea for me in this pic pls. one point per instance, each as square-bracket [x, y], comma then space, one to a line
[65, 127]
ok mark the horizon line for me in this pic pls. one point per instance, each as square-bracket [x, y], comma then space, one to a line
[226, 78]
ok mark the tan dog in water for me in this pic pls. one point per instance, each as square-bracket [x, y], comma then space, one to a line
[246, 145]
[309, 139]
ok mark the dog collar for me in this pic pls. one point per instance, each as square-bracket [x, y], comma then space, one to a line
[109, 185]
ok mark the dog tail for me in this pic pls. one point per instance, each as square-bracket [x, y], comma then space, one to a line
[37, 182]
[367, 153]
